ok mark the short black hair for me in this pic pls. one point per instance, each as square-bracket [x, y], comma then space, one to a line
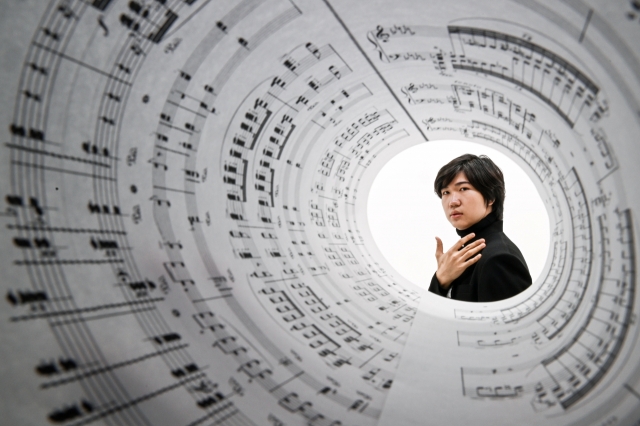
[482, 173]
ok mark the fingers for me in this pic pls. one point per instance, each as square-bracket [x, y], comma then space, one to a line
[472, 260]
[470, 253]
[439, 250]
[457, 259]
[475, 245]
[462, 241]
[473, 249]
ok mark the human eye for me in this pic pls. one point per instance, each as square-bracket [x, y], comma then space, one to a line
[445, 192]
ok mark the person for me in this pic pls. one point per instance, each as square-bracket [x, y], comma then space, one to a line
[484, 265]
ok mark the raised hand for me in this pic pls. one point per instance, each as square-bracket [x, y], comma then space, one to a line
[453, 262]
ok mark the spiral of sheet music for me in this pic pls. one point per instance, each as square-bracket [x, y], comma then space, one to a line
[184, 229]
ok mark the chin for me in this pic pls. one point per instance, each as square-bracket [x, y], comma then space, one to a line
[459, 225]
[463, 224]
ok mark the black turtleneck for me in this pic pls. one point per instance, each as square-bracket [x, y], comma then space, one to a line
[500, 273]
[488, 220]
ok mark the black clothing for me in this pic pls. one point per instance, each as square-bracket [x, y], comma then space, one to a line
[500, 273]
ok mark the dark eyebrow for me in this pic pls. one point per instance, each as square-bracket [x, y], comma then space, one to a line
[462, 183]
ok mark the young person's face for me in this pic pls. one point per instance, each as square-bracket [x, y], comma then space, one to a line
[462, 203]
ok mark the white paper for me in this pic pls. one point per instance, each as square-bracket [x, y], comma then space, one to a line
[184, 225]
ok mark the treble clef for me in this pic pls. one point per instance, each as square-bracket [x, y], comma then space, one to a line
[381, 34]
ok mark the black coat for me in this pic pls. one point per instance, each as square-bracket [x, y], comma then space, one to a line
[500, 273]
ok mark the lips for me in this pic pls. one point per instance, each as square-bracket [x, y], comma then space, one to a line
[456, 214]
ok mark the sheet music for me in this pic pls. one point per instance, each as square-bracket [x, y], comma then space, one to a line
[185, 236]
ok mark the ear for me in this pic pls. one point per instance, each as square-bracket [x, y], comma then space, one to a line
[491, 202]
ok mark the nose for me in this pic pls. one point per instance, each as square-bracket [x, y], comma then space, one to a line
[454, 201]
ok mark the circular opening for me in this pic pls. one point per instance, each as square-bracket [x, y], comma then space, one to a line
[405, 215]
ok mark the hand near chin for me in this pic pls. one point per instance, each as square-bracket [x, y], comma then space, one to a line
[453, 262]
